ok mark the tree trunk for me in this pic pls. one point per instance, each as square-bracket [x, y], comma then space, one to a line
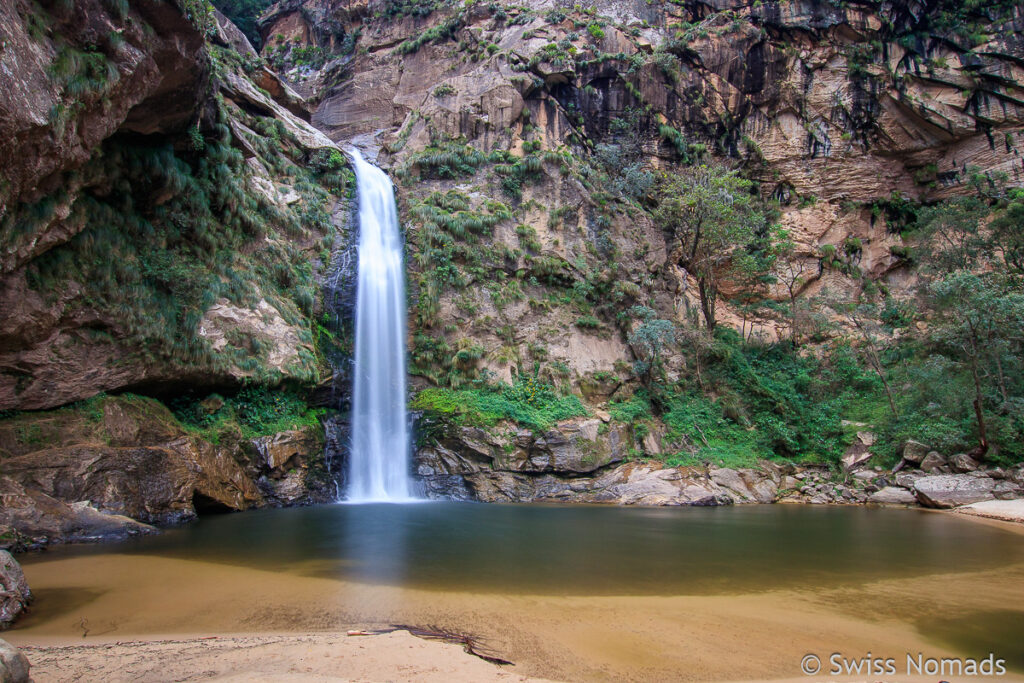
[707, 305]
[979, 414]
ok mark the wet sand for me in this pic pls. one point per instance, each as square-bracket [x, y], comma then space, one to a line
[111, 598]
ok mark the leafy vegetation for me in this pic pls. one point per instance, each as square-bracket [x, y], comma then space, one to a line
[751, 401]
[528, 401]
[721, 229]
[254, 411]
[154, 268]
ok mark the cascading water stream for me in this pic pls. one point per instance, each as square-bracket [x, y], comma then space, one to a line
[379, 459]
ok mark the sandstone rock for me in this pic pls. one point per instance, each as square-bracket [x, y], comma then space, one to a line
[229, 36]
[932, 462]
[790, 483]
[14, 666]
[952, 490]
[731, 480]
[651, 444]
[763, 484]
[1006, 490]
[857, 453]
[893, 495]
[576, 446]
[646, 485]
[86, 476]
[914, 452]
[961, 462]
[625, 484]
[854, 458]
[224, 320]
[161, 484]
[37, 518]
[285, 449]
[14, 592]
[908, 479]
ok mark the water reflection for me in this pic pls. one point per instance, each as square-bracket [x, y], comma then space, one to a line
[574, 550]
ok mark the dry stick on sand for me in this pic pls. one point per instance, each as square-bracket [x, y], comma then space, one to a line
[470, 644]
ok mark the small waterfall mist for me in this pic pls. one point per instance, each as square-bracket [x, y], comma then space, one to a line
[379, 458]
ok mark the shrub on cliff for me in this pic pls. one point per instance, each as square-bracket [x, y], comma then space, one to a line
[528, 401]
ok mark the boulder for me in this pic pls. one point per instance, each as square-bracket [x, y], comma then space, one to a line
[650, 485]
[953, 490]
[14, 666]
[651, 444]
[731, 480]
[914, 452]
[961, 462]
[790, 483]
[933, 462]
[14, 592]
[858, 452]
[1006, 490]
[908, 479]
[893, 495]
[763, 484]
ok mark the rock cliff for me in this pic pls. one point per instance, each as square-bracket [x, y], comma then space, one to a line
[171, 203]
[527, 141]
[115, 466]
[162, 216]
[843, 112]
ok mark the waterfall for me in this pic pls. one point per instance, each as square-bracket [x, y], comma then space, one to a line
[379, 459]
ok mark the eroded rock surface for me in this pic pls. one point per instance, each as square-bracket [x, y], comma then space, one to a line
[111, 472]
[952, 490]
[14, 591]
[14, 665]
[577, 461]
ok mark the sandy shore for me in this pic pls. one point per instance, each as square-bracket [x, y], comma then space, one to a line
[574, 638]
[116, 617]
[396, 656]
[1011, 511]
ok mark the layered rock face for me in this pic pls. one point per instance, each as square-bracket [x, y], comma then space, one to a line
[842, 113]
[578, 461]
[161, 216]
[124, 464]
[170, 204]
[520, 137]
[587, 461]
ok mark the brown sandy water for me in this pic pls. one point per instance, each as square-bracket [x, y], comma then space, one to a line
[569, 593]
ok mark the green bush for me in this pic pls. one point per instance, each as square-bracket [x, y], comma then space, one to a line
[528, 401]
[254, 411]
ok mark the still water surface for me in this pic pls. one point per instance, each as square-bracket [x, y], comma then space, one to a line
[568, 592]
[586, 550]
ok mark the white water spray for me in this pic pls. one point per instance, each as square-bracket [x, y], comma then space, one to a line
[379, 459]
